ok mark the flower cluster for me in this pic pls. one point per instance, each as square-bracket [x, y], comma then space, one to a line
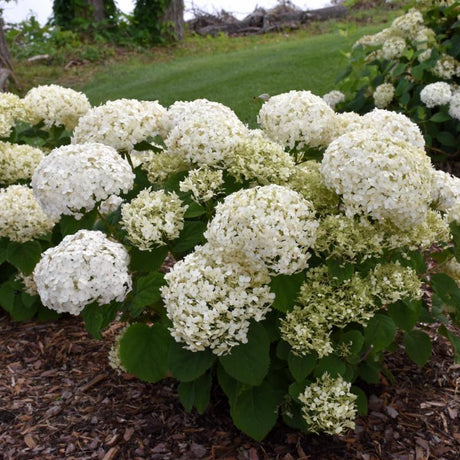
[447, 67]
[393, 48]
[153, 218]
[334, 97]
[121, 123]
[211, 299]
[271, 224]
[446, 190]
[435, 94]
[74, 178]
[21, 217]
[11, 109]
[203, 183]
[28, 282]
[380, 176]
[328, 405]
[383, 95]
[55, 105]
[114, 353]
[298, 119]
[161, 165]
[454, 106]
[18, 162]
[85, 267]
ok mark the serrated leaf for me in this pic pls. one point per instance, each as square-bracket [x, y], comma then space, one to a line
[369, 372]
[144, 351]
[353, 340]
[24, 256]
[190, 236]
[248, 363]
[440, 117]
[331, 364]
[447, 138]
[186, 365]
[405, 314]
[454, 340]
[146, 292]
[255, 411]
[301, 366]
[286, 289]
[361, 400]
[455, 230]
[69, 225]
[98, 317]
[380, 332]
[340, 270]
[418, 346]
[194, 210]
[282, 350]
[196, 393]
[447, 289]
[147, 261]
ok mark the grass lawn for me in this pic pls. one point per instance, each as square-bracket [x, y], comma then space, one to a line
[233, 77]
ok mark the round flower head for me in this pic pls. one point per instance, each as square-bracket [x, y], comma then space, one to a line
[435, 94]
[272, 224]
[204, 183]
[408, 24]
[334, 97]
[18, 162]
[397, 125]
[11, 109]
[205, 138]
[259, 159]
[28, 283]
[85, 267]
[74, 178]
[347, 121]
[379, 176]
[121, 123]
[55, 105]
[375, 39]
[452, 269]
[446, 190]
[454, 106]
[383, 95]
[447, 67]
[328, 405]
[211, 300]
[453, 214]
[298, 119]
[153, 218]
[111, 204]
[159, 166]
[309, 182]
[180, 111]
[393, 48]
[21, 217]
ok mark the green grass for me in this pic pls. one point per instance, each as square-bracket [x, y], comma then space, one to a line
[233, 77]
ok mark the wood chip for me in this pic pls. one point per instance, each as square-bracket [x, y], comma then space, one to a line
[30, 442]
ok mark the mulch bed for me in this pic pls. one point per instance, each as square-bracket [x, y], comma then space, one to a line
[61, 400]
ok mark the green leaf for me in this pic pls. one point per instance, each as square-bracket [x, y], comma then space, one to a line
[248, 363]
[255, 411]
[147, 261]
[97, 317]
[69, 225]
[3, 249]
[340, 270]
[447, 290]
[405, 313]
[447, 138]
[282, 350]
[146, 292]
[190, 236]
[440, 117]
[229, 385]
[361, 401]
[353, 340]
[196, 393]
[194, 210]
[301, 366]
[399, 69]
[418, 346]
[369, 372]
[455, 230]
[186, 365]
[24, 256]
[331, 364]
[454, 340]
[380, 332]
[144, 351]
[286, 289]
[8, 291]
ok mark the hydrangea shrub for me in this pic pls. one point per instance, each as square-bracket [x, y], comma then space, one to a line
[280, 263]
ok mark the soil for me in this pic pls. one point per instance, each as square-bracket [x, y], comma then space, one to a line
[61, 400]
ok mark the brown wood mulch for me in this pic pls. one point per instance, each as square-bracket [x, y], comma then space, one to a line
[60, 400]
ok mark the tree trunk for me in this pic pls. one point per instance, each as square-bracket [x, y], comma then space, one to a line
[6, 66]
[174, 14]
[97, 10]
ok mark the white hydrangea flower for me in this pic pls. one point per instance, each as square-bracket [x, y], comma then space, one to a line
[435, 94]
[21, 217]
[153, 218]
[453, 215]
[393, 48]
[446, 190]
[111, 204]
[271, 224]
[114, 353]
[211, 300]
[454, 106]
[447, 67]
[72, 179]
[205, 138]
[347, 121]
[298, 119]
[18, 162]
[375, 39]
[328, 405]
[55, 105]
[424, 36]
[83, 268]
[422, 57]
[397, 125]
[452, 268]
[204, 183]
[159, 166]
[180, 111]
[257, 158]
[334, 97]
[408, 24]
[11, 109]
[380, 176]
[121, 123]
[28, 282]
[383, 95]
